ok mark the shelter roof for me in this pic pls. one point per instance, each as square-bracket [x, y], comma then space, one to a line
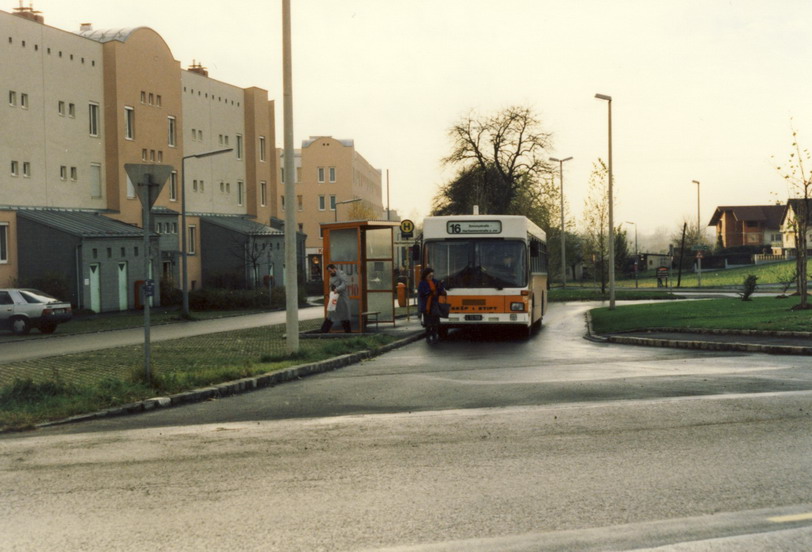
[243, 226]
[81, 223]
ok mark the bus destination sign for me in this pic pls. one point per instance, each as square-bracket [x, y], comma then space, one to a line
[474, 227]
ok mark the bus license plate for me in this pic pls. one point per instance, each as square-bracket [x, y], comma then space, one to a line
[473, 317]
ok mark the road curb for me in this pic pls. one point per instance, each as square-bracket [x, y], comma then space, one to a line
[235, 387]
[709, 345]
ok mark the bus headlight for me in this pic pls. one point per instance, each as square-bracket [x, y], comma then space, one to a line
[517, 307]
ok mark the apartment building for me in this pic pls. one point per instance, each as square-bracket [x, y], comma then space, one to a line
[330, 172]
[84, 104]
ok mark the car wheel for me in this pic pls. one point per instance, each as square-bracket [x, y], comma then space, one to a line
[20, 326]
[47, 328]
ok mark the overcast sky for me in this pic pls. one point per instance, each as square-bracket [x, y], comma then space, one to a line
[703, 90]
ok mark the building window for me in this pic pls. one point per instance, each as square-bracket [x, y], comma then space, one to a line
[72, 110]
[129, 123]
[152, 155]
[321, 175]
[282, 175]
[262, 148]
[158, 100]
[24, 100]
[14, 168]
[263, 193]
[95, 180]
[143, 97]
[173, 186]
[283, 202]
[202, 186]
[332, 174]
[74, 174]
[220, 139]
[63, 172]
[144, 154]
[239, 146]
[199, 135]
[192, 240]
[93, 115]
[12, 98]
[240, 186]
[194, 185]
[322, 203]
[172, 132]
[332, 203]
[151, 97]
[299, 203]
[60, 108]
[3, 242]
[26, 169]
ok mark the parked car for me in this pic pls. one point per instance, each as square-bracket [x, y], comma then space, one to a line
[23, 309]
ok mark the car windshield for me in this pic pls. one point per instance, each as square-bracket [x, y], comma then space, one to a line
[479, 263]
[36, 296]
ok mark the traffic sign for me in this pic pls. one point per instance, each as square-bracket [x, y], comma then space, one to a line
[406, 228]
[148, 180]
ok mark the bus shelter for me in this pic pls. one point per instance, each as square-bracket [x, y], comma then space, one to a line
[364, 251]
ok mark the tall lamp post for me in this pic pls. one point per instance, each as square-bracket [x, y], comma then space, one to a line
[611, 211]
[698, 222]
[184, 265]
[563, 232]
[636, 252]
[342, 203]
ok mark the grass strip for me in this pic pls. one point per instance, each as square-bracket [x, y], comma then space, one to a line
[560, 295]
[761, 313]
[57, 387]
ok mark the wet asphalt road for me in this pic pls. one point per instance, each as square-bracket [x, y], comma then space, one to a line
[484, 442]
[482, 370]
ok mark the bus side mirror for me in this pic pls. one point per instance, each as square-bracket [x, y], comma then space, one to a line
[534, 249]
[416, 253]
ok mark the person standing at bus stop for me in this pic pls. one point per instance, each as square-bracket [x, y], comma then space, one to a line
[341, 313]
[429, 291]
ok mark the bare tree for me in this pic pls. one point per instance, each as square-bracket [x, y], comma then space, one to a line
[596, 222]
[799, 182]
[499, 157]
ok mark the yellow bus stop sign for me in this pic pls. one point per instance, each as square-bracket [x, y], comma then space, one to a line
[406, 228]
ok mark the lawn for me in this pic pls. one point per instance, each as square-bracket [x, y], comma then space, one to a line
[761, 313]
[57, 387]
[771, 273]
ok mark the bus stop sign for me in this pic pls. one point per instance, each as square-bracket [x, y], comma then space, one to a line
[406, 229]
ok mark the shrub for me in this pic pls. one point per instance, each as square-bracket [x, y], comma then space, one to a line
[748, 287]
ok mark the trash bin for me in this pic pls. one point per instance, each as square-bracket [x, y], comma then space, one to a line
[401, 294]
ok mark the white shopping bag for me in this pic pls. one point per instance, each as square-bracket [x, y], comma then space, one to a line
[332, 301]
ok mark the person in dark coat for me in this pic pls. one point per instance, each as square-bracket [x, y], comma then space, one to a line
[338, 283]
[429, 291]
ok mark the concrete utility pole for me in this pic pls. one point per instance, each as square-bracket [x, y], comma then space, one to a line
[698, 221]
[563, 232]
[291, 272]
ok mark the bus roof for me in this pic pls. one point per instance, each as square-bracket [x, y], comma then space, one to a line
[495, 226]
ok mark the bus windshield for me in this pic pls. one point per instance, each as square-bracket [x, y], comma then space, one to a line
[478, 262]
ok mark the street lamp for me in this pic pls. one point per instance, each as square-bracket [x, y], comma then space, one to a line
[636, 252]
[342, 203]
[698, 223]
[611, 213]
[184, 269]
[563, 233]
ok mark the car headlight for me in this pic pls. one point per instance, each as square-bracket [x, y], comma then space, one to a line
[517, 307]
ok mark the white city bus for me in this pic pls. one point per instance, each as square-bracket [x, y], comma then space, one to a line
[494, 268]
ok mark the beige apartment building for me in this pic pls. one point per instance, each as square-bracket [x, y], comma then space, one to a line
[84, 104]
[330, 172]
